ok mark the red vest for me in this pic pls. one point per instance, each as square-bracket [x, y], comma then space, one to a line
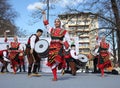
[104, 45]
[67, 54]
[57, 33]
[15, 45]
[1, 52]
[104, 49]
[37, 39]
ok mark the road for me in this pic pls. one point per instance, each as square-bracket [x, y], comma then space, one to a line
[81, 80]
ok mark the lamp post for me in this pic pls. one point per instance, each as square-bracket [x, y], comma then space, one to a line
[48, 10]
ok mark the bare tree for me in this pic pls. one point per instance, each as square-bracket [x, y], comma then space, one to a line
[108, 12]
[7, 17]
[117, 21]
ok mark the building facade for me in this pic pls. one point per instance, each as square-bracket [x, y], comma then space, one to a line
[84, 26]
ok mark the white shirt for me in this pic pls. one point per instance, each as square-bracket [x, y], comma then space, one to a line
[32, 41]
[5, 56]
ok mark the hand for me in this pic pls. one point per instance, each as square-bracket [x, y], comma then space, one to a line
[31, 51]
[5, 59]
[5, 33]
[43, 12]
[96, 46]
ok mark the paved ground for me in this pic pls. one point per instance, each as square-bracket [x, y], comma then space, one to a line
[81, 80]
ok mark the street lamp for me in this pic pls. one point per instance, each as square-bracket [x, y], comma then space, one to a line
[48, 10]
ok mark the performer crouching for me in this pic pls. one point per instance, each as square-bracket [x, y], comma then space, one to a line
[32, 55]
[73, 60]
[103, 60]
[4, 59]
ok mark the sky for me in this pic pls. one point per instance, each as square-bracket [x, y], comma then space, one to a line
[25, 8]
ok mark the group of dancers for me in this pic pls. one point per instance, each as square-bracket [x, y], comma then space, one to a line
[60, 52]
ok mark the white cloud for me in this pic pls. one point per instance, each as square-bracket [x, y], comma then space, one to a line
[35, 6]
[102, 30]
[64, 3]
[61, 3]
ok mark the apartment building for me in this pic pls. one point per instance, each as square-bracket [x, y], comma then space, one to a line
[84, 26]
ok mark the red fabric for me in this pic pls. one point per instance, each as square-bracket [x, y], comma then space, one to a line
[12, 55]
[105, 64]
[58, 59]
[102, 72]
[66, 44]
[104, 54]
[54, 71]
[14, 65]
[56, 47]
[5, 40]
[21, 58]
[53, 53]
[45, 22]
[104, 45]
[101, 66]
[1, 52]
[58, 32]
[14, 44]
[68, 56]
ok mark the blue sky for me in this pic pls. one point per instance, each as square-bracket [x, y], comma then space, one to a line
[24, 15]
[25, 7]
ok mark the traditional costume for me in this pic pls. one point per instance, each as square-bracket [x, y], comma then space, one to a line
[4, 59]
[13, 55]
[73, 60]
[59, 39]
[103, 59]
[32, 58]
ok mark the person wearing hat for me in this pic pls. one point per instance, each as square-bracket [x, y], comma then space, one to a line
[59, 40]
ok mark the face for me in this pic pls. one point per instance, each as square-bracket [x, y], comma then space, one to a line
[15, 38]
[73, 48]
[7, 47]
[57, 23]
[39, 34]
[103, 39]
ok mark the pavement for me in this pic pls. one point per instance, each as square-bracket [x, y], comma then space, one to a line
[81, 80]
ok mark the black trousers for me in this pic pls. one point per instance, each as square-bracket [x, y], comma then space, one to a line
[95, 62]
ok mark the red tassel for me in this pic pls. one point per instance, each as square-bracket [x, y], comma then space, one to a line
[66, 44]
[45, 22]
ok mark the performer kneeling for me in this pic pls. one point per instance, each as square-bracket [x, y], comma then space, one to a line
[4, 59]
[72, 60]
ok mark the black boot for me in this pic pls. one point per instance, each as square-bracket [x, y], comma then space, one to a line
[35, 68]
[20, 69]
[2, 70]
[24, 68]
[29, 70]
[6, 67]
